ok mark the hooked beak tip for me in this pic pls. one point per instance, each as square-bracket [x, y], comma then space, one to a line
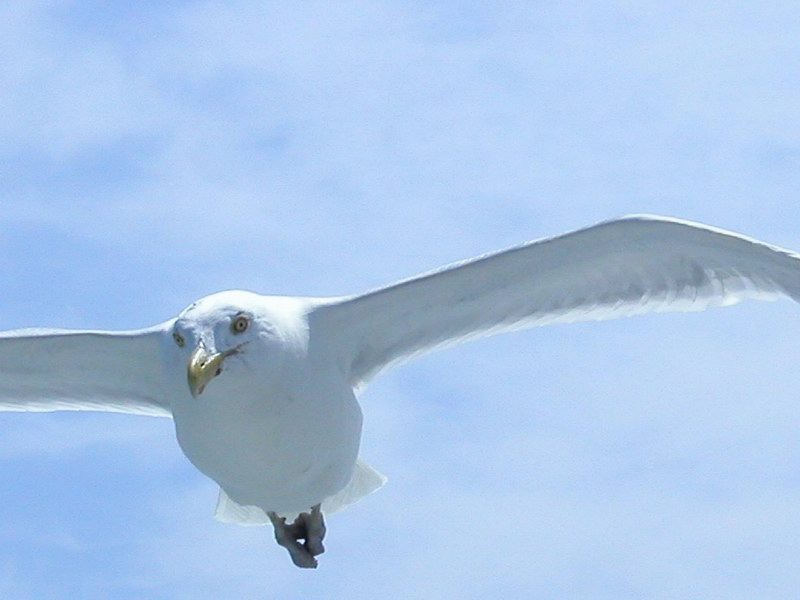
[203, 367]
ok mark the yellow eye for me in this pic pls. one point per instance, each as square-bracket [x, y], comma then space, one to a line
[240, 324]
[179, 339]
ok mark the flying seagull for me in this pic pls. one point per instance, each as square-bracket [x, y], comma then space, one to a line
[262, 389]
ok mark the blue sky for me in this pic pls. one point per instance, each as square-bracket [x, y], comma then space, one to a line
[154, 152]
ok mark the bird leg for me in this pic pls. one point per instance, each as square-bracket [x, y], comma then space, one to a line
[315, 531]
[309, 527]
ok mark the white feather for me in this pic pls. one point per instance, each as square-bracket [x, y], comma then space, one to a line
[55, 369]
[618, 268]
[365, 480]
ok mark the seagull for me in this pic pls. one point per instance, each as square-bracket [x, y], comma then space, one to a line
[262, 389]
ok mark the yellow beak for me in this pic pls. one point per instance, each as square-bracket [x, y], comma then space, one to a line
[203, 367]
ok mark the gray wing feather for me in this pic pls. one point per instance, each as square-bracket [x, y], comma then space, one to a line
[51, 369]
[617, 268]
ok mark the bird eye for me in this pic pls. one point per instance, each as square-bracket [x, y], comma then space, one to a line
[179, 339]
[240, 324]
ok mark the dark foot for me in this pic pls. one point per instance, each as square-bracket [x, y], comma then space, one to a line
[309, 527]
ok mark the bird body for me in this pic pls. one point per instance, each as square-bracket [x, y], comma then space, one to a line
[281, 398]
[262, 388]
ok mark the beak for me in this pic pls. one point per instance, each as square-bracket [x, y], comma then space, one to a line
[203, 367]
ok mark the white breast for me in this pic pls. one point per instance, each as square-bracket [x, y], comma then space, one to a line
[280, 450]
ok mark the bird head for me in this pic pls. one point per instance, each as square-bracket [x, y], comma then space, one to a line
[226, 332]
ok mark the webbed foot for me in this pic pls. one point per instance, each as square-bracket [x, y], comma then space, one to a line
[309, 527]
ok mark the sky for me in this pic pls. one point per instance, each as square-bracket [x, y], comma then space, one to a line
[154, 152]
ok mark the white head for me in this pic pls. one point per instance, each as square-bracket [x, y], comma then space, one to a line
[228, 333]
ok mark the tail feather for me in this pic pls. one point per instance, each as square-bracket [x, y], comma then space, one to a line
[365, 480]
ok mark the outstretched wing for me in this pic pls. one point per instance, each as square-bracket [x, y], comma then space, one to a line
[50, 369]
[617, 268]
